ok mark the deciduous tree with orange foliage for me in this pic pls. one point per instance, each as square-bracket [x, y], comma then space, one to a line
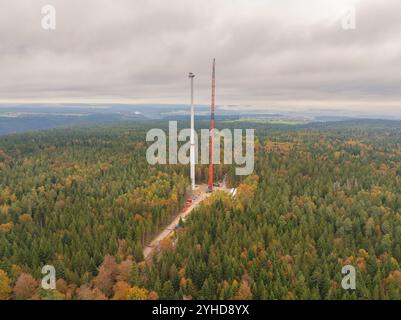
[25, 287]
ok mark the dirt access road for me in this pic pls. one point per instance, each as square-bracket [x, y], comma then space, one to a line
[202, 194]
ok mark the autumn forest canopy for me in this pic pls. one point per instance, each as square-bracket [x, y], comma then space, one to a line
[85, 200]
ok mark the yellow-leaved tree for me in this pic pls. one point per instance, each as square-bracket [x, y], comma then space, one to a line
[5, 288]
[136, 293]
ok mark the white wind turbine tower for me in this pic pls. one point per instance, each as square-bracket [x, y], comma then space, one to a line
[192, 147]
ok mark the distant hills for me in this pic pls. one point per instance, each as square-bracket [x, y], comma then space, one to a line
[16, 118]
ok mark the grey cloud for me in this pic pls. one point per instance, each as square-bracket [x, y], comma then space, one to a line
[268, 52]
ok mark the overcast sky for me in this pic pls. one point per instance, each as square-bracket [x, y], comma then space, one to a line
[269, 54]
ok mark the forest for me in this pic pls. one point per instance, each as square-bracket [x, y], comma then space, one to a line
[85, 200]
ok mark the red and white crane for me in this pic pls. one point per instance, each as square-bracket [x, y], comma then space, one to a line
[211, 142]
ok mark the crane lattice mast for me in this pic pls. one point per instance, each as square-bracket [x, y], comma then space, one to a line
[211, 138]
